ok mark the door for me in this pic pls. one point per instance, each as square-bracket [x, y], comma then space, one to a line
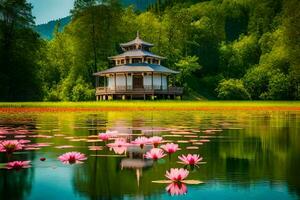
[138, 82]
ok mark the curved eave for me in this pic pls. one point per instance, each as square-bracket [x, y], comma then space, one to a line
[122, 56]
[136, 53]
[136, 42]
[137, 68]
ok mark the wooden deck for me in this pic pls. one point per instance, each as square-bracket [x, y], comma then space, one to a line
[129, 92]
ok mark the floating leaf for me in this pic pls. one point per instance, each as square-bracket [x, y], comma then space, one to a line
[182, 141]
[192, 182]
[64, 147]
[172, 135]
[197, 143]
[192, 147]
[190, 136]
[162, 181]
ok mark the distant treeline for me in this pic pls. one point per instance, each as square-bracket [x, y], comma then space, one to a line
[241, 49]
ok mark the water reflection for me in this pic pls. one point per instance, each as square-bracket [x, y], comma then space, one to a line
[244, 152]
[20, 180]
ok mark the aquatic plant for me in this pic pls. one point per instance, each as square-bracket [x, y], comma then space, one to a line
[177, 175]
[119, 142]
[18, 165]
[155, 140]
[72, 158]
[155, 154]
[170, 148]
[190, 159]
[9, 146]
[104, 136]
[141, 141]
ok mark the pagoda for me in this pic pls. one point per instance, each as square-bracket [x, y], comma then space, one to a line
[138, 74]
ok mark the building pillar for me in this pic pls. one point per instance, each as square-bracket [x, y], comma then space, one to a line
[115, 80]
[125, 82]
[161, 82]
[152, 81]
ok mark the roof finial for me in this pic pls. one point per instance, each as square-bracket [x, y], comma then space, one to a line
[138, 34]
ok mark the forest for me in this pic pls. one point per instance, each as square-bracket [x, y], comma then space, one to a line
[224, 49]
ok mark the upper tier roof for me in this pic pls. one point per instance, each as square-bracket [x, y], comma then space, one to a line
[137, 67]
[136, 41]
[137, 53]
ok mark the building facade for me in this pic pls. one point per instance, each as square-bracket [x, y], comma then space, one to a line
[138, 73]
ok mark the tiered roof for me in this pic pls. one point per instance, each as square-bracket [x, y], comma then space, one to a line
[137, 67]
[133, 49]
[136, 41]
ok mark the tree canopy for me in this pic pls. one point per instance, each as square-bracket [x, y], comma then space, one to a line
[243, 47]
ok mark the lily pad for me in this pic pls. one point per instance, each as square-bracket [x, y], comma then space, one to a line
[192, 182]
[162, 181]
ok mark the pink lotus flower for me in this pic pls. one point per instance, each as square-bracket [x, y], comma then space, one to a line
[177, 175]
[104, 136]
[72, 158]
[119, 150]
[190, 159]
[10, 146]
[142, 141]
[155, 154]
[155, 140]
[170, 148]
[119, 142]
[18, 165]
[176, 189]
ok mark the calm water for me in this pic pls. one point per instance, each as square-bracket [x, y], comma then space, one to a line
[249, 155]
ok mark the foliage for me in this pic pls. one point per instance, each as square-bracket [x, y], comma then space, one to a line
[254, 44]
[232, 89]
[19, 46]
[187, 66]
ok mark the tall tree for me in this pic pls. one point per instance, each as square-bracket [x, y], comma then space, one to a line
[18, 51]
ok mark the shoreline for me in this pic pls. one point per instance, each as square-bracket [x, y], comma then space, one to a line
[150, 106]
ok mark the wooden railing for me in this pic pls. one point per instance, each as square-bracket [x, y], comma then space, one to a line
[147, 88]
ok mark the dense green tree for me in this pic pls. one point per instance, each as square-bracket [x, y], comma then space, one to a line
[253, 45]
[187, 66]
[232, 89]
[19, 46]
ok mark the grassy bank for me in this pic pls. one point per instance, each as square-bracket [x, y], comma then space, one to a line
[155, 105]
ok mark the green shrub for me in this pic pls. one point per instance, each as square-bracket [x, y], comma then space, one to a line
[82, 91]
[256, 82]
[279, 87]
[232, 89]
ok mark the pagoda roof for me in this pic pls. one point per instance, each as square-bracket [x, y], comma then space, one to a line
[137, 40]
[137, 52]
[137, 67]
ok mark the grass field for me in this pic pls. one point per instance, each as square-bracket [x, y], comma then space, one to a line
[152, 105]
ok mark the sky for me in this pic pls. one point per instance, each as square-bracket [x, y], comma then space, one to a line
[47, 10]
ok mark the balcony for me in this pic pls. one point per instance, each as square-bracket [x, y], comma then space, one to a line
[122, 90]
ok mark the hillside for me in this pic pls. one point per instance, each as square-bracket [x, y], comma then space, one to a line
[46, 30]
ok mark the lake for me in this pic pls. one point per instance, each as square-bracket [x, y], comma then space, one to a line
[246, 154]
